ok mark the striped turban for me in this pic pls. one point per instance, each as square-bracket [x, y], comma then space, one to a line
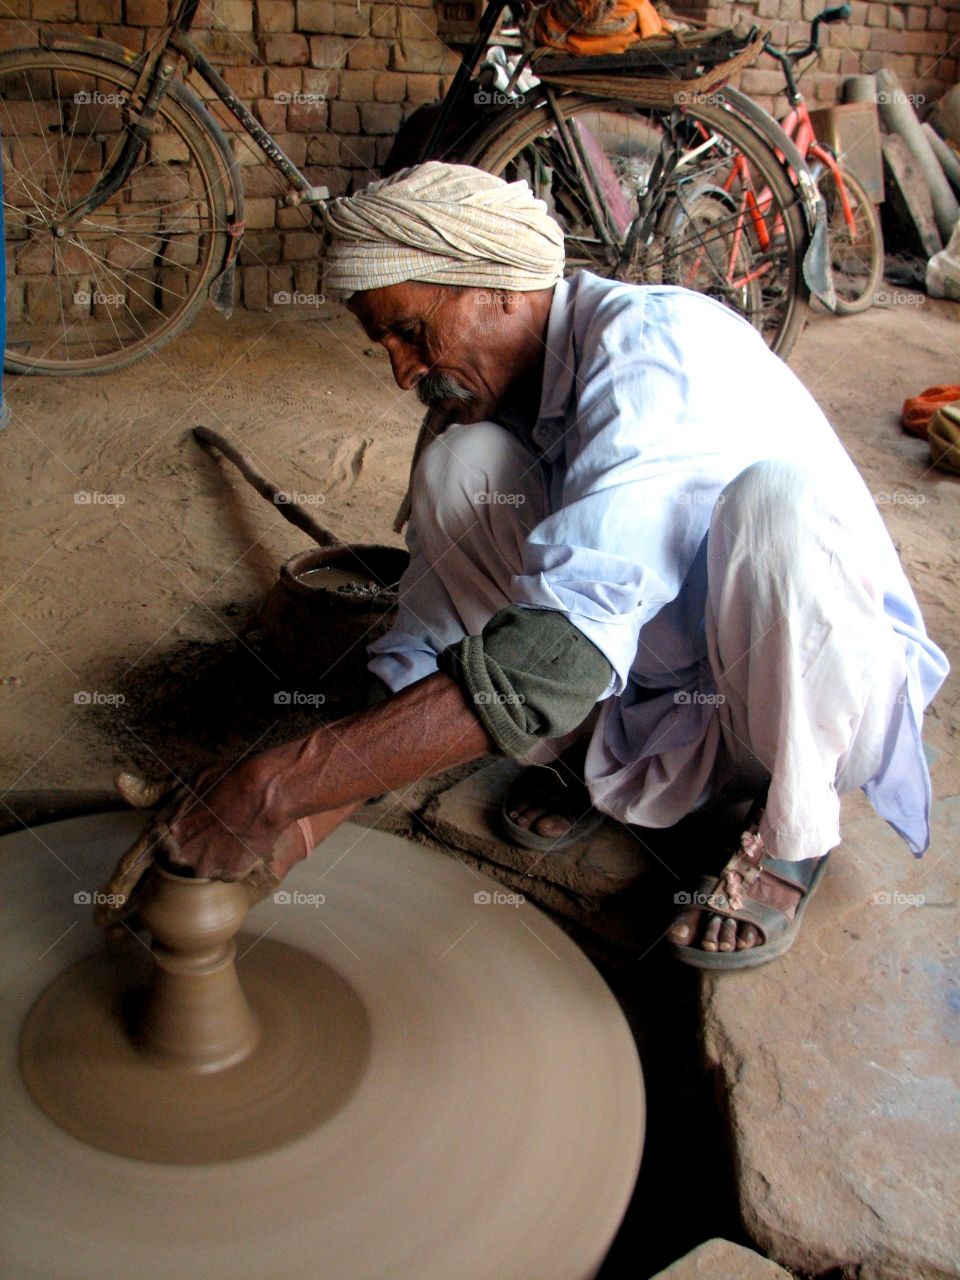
[442, 224]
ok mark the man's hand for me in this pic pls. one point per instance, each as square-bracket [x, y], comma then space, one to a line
[239, 821]
[231, 841]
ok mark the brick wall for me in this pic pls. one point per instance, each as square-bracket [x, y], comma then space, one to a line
[919, 40]
[333, 79]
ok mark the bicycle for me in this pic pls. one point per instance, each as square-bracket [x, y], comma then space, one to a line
[646, 193]
[853, 225]
[124, 205]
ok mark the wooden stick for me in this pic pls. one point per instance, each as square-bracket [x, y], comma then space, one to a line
[278, 497]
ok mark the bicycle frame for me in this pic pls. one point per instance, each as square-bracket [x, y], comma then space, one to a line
[156, 74]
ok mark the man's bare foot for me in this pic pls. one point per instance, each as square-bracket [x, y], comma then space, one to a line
[548, 800]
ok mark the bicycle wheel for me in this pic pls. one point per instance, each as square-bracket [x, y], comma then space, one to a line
[731, 223]
[123, 280]
[856, 252]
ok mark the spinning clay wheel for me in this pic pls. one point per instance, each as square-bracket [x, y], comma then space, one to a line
[394, 1071]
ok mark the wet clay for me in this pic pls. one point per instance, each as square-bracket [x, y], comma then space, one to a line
[191, 1063]
[442, 1085]
[333, 578]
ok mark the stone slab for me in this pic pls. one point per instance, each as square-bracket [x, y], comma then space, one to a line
[612, 860]
[840, 1068]
[723, 1260]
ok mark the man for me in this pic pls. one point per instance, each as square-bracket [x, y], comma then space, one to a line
[637, 532]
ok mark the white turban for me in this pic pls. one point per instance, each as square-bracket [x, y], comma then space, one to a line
[442, 224]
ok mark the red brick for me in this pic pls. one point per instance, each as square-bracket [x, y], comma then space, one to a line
[351, 19]
[327, 51]
[233, 15]
[246, 82]
[307, 117]
[293, 218]
[324, 149]
[937, 20]
[275, 15]
[356, 86]
[227, 48]
[418, 24]
[129, 37]
[380, 117]
[383, 19]
[896, 18]
[54, 10]
[422, 55]
[295, 145]
[271, 114]
[288, 50]
[390, 86]
[368, 54]
[301, 244]
[360, 153]
[344, 117]
[315, 15]
[99, 11]
[260, 213]
[283, 80]
[326, 83]
[422, 88]
[877, 15]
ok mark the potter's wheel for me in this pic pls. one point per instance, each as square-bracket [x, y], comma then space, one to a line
[489, 1128]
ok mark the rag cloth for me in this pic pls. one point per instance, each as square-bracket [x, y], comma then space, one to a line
[918, 410]
[943, 436]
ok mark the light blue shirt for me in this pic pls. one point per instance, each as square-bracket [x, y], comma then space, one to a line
[653, 399]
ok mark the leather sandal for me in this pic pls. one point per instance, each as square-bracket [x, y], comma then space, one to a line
[724, 896]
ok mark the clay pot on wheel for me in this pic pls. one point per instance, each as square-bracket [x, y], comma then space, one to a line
[328, 605]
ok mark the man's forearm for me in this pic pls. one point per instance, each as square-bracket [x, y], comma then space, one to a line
[426, 728]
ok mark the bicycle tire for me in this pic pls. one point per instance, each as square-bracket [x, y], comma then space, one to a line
[134, 272]
[856, 261]
[500, 148]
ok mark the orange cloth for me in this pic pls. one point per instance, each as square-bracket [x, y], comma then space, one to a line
[628, 21]
[918, 410]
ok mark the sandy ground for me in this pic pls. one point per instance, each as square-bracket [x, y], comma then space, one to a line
[130, 553]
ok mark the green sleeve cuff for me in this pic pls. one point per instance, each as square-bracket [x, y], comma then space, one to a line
[531, 674]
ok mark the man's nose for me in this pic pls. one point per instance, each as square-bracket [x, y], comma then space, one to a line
[408, 368]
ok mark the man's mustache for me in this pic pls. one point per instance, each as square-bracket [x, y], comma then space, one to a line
[434, 388]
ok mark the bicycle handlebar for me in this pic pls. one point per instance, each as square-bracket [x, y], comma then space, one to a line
[838, 13]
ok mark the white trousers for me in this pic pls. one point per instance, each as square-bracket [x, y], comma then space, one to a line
[802, 665]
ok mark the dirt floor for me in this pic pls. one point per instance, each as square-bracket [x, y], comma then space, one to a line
[135, 564]
[134, 561]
